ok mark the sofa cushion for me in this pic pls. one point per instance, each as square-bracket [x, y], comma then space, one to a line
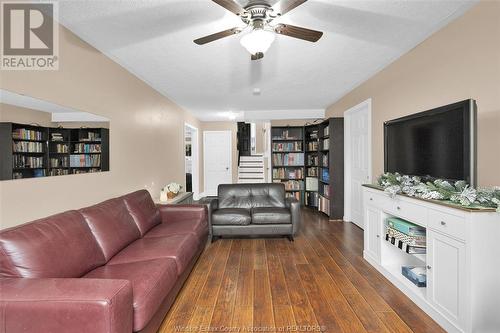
[251, 195]
[59, 246]
[195, 226]
[231, 216]
[151, 282]
[112, 225]
[266, 215]
[143, 210]
[181, 248]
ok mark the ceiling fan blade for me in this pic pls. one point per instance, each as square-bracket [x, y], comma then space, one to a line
[298, 32]
[217, 35]
[257, 56]
[230, 5]
[284, 6]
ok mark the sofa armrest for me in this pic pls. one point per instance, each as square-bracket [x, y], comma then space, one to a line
[294, 206]
[66, 305]
[212, 206]
[183, 212]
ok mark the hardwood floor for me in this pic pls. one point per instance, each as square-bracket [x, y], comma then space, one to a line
[320, 282]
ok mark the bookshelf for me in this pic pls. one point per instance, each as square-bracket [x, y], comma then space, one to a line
[287, 146]
[28, 151]
[311, 165]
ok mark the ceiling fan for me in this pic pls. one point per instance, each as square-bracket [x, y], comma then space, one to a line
[260, 33]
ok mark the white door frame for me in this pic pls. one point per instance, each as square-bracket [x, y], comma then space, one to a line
[195, 158]
[205, 193]
[347, 157]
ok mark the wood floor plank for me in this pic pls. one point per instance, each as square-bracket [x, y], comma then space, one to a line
[244, 289]
[394, 323]
[263, 315]
[366, 315]
[283, 318]
[243, 318]
[200, 320]
[277, 282]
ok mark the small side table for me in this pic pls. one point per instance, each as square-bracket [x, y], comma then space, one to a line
[183, 198]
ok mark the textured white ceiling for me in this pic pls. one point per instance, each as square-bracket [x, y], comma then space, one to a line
[153, 40]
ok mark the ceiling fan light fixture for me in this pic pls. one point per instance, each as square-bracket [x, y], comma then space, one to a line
[258, 41]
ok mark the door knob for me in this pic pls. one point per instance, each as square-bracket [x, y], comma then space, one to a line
[429, 267]
[443, 223]
[227, 168]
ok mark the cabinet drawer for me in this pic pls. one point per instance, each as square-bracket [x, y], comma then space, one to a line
[377, 199]
[447, 223]
[409, 211]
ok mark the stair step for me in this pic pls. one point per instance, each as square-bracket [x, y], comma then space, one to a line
[251, 158]
[251, 181]
[249, 169]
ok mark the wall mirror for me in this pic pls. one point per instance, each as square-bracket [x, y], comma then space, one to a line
[42, 139]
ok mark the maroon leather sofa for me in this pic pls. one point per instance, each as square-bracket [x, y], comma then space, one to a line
[115, 267]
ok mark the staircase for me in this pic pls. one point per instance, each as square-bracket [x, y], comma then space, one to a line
[251, 169]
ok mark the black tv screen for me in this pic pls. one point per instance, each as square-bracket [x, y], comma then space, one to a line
[438, 143]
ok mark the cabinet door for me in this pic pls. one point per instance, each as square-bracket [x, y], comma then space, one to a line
[372, 233]
[446, 276]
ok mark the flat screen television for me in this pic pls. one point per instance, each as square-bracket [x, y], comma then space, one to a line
[438, 143]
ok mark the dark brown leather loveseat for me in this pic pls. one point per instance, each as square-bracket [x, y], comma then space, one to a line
[253, 209]
[115, 267]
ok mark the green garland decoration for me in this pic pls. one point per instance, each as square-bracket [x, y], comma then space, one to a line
[459, 193]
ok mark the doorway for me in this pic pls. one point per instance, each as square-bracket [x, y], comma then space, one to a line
[358, 159]
[217, 160]
[191, 157]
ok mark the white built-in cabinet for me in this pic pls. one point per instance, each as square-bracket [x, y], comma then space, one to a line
[462, 259]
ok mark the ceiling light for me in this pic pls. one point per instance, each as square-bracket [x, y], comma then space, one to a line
[258, 41]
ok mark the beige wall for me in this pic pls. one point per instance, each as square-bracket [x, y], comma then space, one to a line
[147, 149]
[221, 126]
[459, 62]
[16, 114]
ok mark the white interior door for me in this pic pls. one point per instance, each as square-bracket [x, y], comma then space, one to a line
[216, 160]
[357, 160]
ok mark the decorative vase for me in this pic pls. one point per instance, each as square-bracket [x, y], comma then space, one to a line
[163, 196]
[171, 195]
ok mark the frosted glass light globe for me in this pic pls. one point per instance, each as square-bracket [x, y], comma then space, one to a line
[258, 41]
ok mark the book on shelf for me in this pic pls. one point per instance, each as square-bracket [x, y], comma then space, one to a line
[325, 144]
[293, 185]
[295, 195]
[325, 175]
[312, 199]
[313, 135]
[85, 161]
[56, 137]
[287, 146]
[419, 241]
[325, 190]
[326, 131]
[61, 148]
[91, 136]
[286, 135]
[86, 148]
[27, 162]
[288, 159]
[312, 172]
[312, 160]
[324, 160]
[75, 172]
[59, 162]
[58, 172]
[324, 205]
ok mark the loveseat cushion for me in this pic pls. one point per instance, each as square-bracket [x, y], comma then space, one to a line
[231, 216]
[194, 226]
[143, 210]
[181, 248]
[151, 282]
[59, 246]
[112, 225]
[251, 195]
[266, 215]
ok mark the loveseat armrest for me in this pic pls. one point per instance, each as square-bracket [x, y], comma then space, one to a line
[212, 206]
[66, 305]
[183, 212]
[294, 206]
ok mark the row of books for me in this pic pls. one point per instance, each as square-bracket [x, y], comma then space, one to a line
[27, 147]
[85, 161]
[21, 161]
[58, 172]
[312, 199]
[290, 159]
[326, 131]
[312, 172]
[409, 237]
[286, 135]
[282, 173]
[287, 146]
[25, 134]
[325, 175]
[324, 205]
[92, 136]
[312, 146]
[61, 148]
[312, 160]
[87, 148]
[313, 135]
[62, 162]
[36, 173]
[293, 185]
[325, 144]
